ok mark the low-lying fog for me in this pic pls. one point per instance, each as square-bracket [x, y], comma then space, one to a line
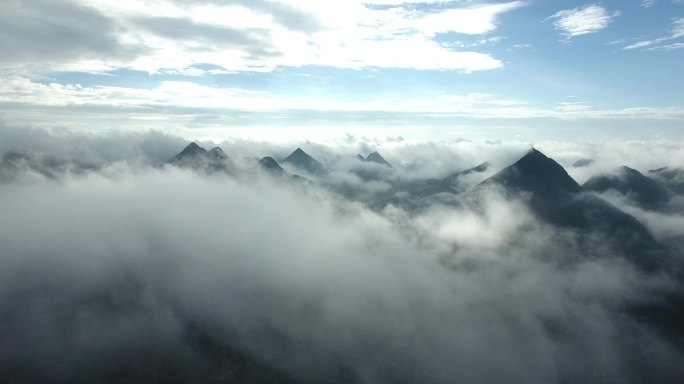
[116, 269]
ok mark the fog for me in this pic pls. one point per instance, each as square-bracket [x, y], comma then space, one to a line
[138, 273]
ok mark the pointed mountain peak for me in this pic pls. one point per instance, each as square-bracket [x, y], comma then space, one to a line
[298, 155]
[191, 150]
[533, 156]
[536, 173]
[375, 157]
[218, 154]
[360, 157]
[269, 164]
[195, 157]
[303, 160]
[534, 153]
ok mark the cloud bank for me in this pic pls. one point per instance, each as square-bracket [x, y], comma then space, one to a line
[137, 273]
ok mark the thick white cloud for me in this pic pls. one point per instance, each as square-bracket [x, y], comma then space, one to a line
[583, 20]
[474, 20]
[241, 35]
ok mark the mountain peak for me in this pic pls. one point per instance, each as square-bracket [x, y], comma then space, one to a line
[303, 160]
[195, 157]
[537, 173]
[269, 164]
[643, 190]
[191, 149]
[218, 154]
[298, 154]
[375, 157]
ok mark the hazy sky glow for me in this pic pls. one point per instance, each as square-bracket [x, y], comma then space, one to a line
[271, 69]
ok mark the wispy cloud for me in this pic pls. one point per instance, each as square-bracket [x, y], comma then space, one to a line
[583, 20]
[648, 3]
[183, 106]
[676, 31]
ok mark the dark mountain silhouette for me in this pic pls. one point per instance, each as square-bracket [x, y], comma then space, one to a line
[557, 199]
[302, 160]
[374, 157]
[538, 174]
[190, 151]
[195, 157]
[268, 164]
[271, 167]
[644, 191]
[217, 154]
[672, 178]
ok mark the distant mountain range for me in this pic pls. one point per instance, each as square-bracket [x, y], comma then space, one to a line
[538, 182]
[558, 199]
[374, 157]
[543, 184]
[195, 157]
[644, 191]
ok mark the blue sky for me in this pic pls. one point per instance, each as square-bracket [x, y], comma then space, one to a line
[272, 69]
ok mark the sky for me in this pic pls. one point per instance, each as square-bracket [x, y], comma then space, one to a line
[274, 70]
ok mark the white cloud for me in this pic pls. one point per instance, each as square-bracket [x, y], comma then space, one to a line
[676, 31]
[583, 20]
[648, 3]
[471, 21]
[198, 110]
[262, 35]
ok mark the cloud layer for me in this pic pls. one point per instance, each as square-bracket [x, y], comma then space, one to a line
[168, 35]
[145, 273]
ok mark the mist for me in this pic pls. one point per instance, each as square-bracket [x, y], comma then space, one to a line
[132, 272]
